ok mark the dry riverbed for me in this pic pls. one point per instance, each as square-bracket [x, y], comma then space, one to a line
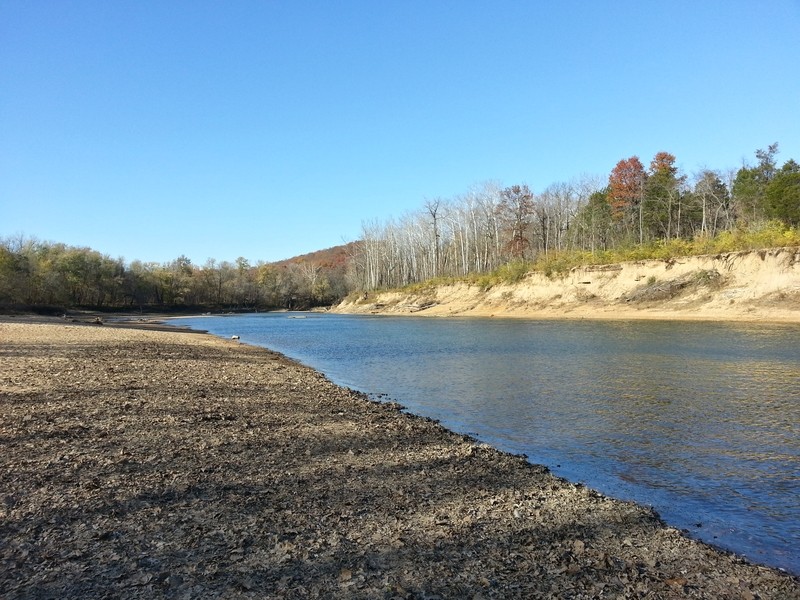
[139, 464]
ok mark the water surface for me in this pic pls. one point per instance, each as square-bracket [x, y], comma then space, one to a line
[698, 420]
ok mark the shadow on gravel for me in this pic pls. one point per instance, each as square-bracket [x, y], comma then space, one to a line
[209, 475]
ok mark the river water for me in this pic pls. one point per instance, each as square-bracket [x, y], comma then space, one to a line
[701, 421]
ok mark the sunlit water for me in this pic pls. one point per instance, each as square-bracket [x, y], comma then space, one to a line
[699, 420]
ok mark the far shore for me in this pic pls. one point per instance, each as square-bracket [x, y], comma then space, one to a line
[621, 312]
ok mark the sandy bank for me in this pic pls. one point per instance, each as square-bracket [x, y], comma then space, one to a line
[746, 286]
[140, 464]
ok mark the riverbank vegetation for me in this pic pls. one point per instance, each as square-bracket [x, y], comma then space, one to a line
[495, 234]
[490, 235]
[768, 234]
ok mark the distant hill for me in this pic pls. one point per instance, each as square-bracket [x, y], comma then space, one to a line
[334, 259]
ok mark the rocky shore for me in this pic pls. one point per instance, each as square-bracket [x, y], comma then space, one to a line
[138, 463]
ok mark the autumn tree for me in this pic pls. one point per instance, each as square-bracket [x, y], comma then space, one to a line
[625, 190]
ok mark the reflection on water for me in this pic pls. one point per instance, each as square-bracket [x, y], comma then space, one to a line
[700, 420]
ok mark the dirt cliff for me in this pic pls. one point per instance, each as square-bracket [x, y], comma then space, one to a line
[754, 285]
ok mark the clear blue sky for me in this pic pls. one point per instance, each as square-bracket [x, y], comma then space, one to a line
[147, 129]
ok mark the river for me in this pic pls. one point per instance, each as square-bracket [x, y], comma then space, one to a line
[699, 420]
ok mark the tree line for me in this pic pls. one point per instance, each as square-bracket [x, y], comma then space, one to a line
[488, 228]
[45, 274]
[491, 225]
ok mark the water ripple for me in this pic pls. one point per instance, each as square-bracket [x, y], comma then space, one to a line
[699, 420]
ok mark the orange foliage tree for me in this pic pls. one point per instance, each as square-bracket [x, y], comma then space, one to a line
[625, 186]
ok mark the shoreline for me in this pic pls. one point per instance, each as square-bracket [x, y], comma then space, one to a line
[606, 313]
[396, 304]
[143, 443]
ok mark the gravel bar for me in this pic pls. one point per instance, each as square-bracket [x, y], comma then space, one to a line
[140, 463]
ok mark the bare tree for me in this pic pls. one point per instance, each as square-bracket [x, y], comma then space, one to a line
[517, 209]
[714, 198]
[432, 207]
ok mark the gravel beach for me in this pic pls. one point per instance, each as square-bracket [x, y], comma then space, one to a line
[140, 463]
